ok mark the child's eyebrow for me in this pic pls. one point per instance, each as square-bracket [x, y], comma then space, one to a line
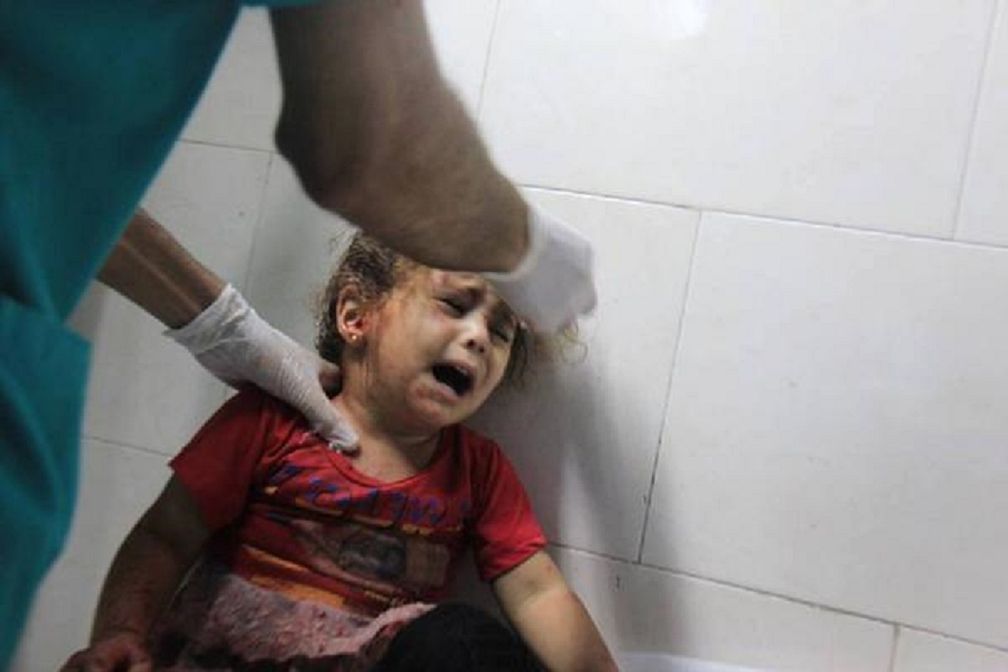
[476, 291]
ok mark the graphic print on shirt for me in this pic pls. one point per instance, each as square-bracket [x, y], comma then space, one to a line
[389, 543]
[381, 561]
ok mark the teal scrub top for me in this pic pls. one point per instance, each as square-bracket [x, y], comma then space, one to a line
[93, 94]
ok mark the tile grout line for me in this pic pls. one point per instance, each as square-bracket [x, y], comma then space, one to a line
[773, 218]
[824, 607]
[785, 598]
[256, 228]
[597, 554]
[486, 60]
[897, 631]
[995, 15]
[257, 225]
[221, 145]
[122, 444]
[668, 386]
[955, 638]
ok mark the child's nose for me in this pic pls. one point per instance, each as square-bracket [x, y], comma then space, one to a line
[476, 346]
[477, 337]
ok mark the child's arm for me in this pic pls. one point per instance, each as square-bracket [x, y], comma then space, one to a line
[550, 617]
[146, 571]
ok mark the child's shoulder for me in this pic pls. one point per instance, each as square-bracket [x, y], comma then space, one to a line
[484, 459]
[250, 400]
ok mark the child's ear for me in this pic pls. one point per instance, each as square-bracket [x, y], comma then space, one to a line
[352, 318]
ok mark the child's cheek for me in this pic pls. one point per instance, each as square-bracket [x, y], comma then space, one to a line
[497, 366]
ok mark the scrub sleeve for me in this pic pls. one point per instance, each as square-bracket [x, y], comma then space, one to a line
[92, 97]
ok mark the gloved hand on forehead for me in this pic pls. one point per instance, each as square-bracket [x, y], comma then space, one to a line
[554, 283]
[236, 345]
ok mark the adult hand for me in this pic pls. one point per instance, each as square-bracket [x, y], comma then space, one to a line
[236, 345]
[122, 651]
[554, 283]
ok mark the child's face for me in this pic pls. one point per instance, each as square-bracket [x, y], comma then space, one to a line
[439, 346]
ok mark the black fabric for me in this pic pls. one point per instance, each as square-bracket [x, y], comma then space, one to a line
[457, 638]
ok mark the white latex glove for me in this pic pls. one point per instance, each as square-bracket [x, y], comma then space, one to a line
[554, 283]
[236, 345]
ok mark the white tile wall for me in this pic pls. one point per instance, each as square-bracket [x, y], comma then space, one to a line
[461, 32]
[240, 106]
[837, 419]
[644, 609]
[842, 111]
[837, 423]
[921, 652]
[584, 433]
[297, 244]
[117, 485]
[146, 391]
[984, 213]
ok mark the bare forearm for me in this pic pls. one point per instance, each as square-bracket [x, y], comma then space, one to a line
[377, 136]
[144, 575]
[149, 267]
[558, 628]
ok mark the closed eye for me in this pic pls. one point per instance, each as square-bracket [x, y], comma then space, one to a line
[453, 306]
[502, 334]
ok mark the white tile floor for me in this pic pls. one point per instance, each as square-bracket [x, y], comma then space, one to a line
[829, 400]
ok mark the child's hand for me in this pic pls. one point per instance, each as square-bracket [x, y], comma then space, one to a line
[120, 652]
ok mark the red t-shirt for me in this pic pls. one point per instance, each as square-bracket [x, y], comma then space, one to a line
[292, 515]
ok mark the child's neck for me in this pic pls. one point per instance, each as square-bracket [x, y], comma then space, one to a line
[386, 452]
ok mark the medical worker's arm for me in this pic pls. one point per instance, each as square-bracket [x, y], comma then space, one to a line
[147, 570]
[551, 618]
[150, 268]
[211, 319]
[376, 135]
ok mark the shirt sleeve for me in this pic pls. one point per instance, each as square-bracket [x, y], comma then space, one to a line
[218, 465]
[505, 532]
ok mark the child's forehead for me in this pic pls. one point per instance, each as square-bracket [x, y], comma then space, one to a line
[423, 278]
[435, 280]
[460, 280]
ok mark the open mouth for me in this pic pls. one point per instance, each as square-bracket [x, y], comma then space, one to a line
[459, 380]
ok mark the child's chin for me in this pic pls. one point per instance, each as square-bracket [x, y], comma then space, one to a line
[438, 417]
